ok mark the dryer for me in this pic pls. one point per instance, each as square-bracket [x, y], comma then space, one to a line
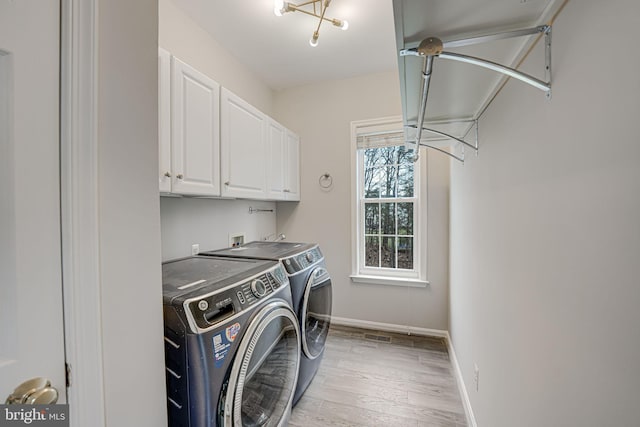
[311, 291]
[232, 342]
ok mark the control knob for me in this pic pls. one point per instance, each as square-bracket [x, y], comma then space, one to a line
[310, 256]
[258, 288]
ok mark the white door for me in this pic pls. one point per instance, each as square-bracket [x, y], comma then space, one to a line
[276, 170]
[195, 131]
[31, 325]
[292, 181]
[243, 144]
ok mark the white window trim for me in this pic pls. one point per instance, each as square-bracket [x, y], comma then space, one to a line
[390, 277]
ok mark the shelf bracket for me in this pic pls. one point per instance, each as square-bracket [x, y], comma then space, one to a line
[432, 47]
[449, 136]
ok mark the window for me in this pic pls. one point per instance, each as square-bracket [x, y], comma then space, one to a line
[387, 207]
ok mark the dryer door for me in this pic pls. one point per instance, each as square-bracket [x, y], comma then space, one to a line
[265, 371]
[316, 313]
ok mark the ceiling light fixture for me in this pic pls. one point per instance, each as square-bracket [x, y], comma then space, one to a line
[316, 8]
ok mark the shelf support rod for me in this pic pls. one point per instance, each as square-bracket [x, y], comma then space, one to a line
[511, 72]
[476, 126]
[426, 76]
[446, 135]
[494, 36]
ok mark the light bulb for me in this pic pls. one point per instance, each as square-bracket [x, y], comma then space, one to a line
[343, 25]
[313, 41]
[278, 7]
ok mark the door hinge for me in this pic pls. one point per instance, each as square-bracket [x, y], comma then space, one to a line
[68, 374]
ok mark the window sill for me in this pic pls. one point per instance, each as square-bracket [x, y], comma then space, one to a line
[393, 281]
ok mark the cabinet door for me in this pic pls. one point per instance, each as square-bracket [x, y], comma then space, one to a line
[277, 161]
[164, 120]
[292, 170]
[243, 148]
[195, 142]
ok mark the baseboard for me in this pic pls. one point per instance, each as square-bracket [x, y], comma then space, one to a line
[413, 330]
[388, 327]
[471, 419]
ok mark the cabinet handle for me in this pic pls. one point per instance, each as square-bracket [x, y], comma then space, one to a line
[179, 176]
[287, 191]
[226, 183]
[167, 174]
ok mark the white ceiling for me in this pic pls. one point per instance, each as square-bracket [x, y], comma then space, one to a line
[277, 48]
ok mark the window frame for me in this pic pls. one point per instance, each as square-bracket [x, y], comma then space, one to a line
[382, 275]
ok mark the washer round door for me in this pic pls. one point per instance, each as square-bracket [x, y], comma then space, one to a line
[316, 313]
[265, 371]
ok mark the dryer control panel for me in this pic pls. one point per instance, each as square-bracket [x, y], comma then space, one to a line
[210, 309]
[302, 260]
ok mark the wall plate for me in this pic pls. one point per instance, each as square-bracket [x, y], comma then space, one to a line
[236, 239]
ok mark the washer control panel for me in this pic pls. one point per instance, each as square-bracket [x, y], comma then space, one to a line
[302, 260]
[211, 309]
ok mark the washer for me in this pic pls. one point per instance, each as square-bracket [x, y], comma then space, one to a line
[311, 291]
[232, 342]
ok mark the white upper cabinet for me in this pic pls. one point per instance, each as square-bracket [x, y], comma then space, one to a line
[292, 166]
[164, 120]
[243, 148]
[195, 133]
[283, 170]
[213, 143]
[276, 167]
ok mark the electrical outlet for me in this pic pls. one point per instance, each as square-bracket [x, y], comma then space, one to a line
[476, 375]
[195, 249]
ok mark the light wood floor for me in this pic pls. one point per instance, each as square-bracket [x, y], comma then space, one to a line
[369, 378]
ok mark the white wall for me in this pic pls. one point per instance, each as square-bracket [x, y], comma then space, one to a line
[545, 235]
[208, 222]
[321, 114]
[129, 220]
[181, 36]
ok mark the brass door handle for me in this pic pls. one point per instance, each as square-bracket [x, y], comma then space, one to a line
[36, 391]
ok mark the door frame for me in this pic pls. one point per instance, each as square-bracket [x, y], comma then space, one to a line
[79, 211]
